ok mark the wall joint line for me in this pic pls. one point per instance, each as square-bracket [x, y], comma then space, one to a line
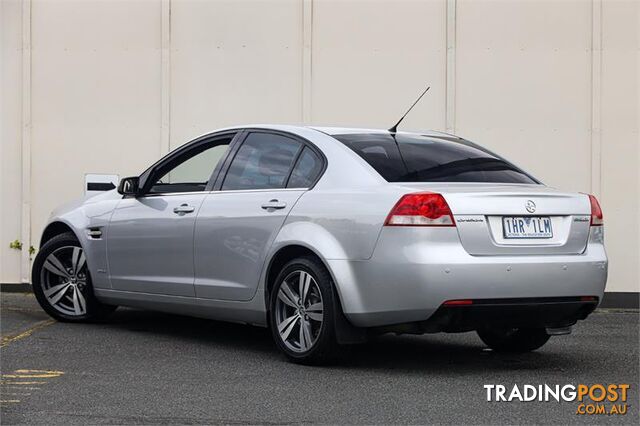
[450, 90]
[25, 234]
[165, 71]
[596, 97]
[307, 40]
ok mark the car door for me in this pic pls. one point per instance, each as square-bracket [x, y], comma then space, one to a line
[150, 237]
[238, 222]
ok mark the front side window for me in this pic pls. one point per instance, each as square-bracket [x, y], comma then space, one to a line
[416, 158]
[191, 172]
[263, 162]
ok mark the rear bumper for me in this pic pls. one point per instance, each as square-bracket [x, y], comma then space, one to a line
[517, 313]
[409, 282]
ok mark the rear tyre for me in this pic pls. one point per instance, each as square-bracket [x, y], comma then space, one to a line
[515, 339]
[302, 308]
[62, 283]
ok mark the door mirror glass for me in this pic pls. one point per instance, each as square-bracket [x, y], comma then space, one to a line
[128, 186]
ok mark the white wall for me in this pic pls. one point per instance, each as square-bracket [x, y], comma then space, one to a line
[552, 85]
[234, 62]
[95, 98]
[10, 137]
[523, 84]
[620, 159]
[371, 59]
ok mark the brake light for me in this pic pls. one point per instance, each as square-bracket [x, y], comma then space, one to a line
[421, 209]
[461, 302]
[596, 212]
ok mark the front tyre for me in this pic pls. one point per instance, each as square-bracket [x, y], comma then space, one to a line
[514, 339]
[302, 305]
[62, 284]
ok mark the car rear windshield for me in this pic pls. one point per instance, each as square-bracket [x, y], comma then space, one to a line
[416, 158]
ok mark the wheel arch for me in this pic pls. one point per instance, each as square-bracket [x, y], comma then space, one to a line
[346, 333]
[291, 242]
[284, 255]
[54, 229]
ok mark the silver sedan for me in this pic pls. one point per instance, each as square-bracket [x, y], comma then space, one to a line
[329, 236]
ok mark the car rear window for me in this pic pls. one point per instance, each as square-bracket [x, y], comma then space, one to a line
[416, 158]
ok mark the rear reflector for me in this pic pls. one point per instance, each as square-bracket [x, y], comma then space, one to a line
[421, 209]
[596, 212]
[461, 302]
[588, 299]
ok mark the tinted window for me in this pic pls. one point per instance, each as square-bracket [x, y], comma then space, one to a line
[306, 171]
[415, 158]
[263, 161]
[191, 171]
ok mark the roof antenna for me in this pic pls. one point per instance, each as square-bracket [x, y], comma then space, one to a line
[395, 126]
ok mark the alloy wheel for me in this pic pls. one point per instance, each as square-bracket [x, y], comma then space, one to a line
[64, 280]
[299, 311]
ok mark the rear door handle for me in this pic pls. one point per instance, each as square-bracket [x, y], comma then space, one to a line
[274, 205]
[183, 209]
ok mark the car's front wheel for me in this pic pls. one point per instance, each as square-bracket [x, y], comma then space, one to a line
[62, 283]
[514, 339]
[302, 305]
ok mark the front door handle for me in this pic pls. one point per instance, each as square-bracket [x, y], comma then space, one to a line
[183, 209]
[274, 205]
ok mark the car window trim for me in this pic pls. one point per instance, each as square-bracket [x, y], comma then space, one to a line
[322, 161]
[293, 165]
[241, 139]
[234, 145]
[244, 139]
[149, 174]
[169, 194]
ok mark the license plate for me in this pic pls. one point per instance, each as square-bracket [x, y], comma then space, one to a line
[527, 227]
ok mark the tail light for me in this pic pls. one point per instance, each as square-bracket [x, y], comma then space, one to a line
[421, 209]
[461, 302]
[596, 212]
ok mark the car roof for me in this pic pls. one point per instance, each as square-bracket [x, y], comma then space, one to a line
[335, 130]
[332, 131]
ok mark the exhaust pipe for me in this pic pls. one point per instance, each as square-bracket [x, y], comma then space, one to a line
[558, 331]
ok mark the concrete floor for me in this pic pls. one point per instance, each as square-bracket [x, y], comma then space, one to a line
[147, 367]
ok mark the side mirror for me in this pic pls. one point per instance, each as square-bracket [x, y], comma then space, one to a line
[129, 186]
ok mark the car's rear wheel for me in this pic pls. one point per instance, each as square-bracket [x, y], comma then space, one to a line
[302, 305]
[62, 283]
[514, 339]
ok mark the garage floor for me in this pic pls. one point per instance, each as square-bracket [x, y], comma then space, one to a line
[148, 367]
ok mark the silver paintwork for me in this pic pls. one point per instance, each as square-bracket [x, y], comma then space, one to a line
[233, 234]
[212, 261]
[150, 247]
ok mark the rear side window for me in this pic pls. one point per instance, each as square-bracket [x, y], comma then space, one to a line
[263, 162]
[306, 171]
[416, 158]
